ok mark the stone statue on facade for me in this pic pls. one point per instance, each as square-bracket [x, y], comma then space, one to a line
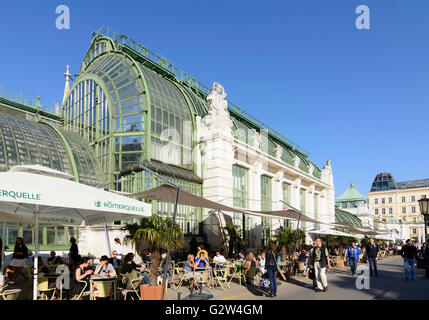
[216, 98]
[218, 118]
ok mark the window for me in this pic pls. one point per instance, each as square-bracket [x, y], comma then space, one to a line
[414, 231]
[383, 211]
[382, 200]
[403, 199]
[375, 201]
[376, 211]
[404, 210]
[241, 184]
[413, 209]
[390, 199]
[413, 198]
[390, 210]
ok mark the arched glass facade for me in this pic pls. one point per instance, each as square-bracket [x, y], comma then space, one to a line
[171, 124]
[26, 142]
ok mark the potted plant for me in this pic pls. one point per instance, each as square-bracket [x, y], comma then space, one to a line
[286, 237]
[235, 240]
[154, 233]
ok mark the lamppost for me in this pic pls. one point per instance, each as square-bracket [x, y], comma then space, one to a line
[424, 208]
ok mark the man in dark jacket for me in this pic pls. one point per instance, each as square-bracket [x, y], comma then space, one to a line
[426, 260]
[409, 253]
[372, 252]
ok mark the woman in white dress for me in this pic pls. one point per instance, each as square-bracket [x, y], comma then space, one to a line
[118, 248]
[20, 253]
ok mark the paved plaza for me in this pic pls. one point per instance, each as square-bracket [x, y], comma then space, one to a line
[390, 284]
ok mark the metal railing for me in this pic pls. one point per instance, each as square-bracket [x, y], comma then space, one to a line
[28, 99]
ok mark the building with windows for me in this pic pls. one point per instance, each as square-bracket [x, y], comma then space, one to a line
[397, 203]
[129, 106]
[357, 204]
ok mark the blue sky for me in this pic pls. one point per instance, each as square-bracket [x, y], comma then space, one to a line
[359, 97]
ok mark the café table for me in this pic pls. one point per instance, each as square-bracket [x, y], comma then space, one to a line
[43, 281]
[98, 279]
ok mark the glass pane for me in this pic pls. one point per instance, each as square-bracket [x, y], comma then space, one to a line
[50, 235]
[12, 234]
[27, 235]
[61, 236]
[41, 240]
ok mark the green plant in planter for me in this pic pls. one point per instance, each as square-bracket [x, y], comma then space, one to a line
[154, 232]
[286, 237]
[235, 241]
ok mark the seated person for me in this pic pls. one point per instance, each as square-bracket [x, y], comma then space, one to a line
[105, 269]
[114, 260]
[241, 255]
[219, 260]
[129, 267]
[202, 250]
[249, 266]
[189, 271]
[302, 256]
[261, 263]
[82, 273]
[41, 267]
[128, 264]
[202, 262]
[164, 269]
[53, 259]
[144, 277]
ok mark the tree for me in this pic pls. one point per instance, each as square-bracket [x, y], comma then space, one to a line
[154, 232]
[286, 237]
[235, 240]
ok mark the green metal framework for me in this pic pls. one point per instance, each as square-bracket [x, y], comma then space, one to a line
[27, 99]
[266, 205]
[196, 93]
[187, 217]
[25, 142]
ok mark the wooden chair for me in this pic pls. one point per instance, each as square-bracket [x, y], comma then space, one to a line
[238, 274]
[181, 277]
[83, 293]
[221, 276]
[131, 280]
[9, 294]
[205, 279]
[300, 268]
[43, 288]
[103, 290]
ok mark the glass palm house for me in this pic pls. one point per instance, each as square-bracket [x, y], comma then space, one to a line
[127, 106]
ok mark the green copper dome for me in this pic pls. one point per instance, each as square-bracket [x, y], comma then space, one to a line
[351, 194]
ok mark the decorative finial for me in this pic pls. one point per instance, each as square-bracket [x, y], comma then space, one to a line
[352, 185]
[67, 85]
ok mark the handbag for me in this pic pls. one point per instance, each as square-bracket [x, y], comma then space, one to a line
[311, 273]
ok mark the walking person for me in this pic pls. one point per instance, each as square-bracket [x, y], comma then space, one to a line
[20, 253]
[426, 260]
[310, 268]
[353, 253]
[409, 253]
[271, 266]
[372, 252]
[74, 250]
[319, 261]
